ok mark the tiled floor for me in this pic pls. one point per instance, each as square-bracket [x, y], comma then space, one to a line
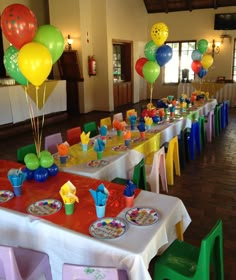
[207, 186]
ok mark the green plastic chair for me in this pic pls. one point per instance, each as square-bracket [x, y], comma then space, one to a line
[139, 177]
[203, 139]
[185, 261]
[92, 127]
[217, 113]
[23, 151]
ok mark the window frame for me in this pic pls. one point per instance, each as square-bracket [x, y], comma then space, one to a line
[234, 62]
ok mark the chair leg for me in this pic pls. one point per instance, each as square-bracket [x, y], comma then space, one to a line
[162, 172]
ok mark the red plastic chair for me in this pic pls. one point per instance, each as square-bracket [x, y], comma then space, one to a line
[23, 264]
[82, 272]
[51, 142]
[73, 135]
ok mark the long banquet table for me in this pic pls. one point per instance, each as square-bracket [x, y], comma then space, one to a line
[66, 239]
[121, 163]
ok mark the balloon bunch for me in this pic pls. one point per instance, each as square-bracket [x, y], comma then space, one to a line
[201, 60]
[40, 168]
[32, 53]
[156, 55]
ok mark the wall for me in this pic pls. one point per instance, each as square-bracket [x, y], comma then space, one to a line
[196, 25]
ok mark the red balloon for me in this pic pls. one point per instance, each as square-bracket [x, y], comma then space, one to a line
[19, 25]
[196, 66]
[139, 65]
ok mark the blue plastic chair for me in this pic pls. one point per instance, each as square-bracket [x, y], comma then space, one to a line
[194, 140]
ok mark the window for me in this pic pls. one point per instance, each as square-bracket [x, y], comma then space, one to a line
[180, 64]
[234, 62]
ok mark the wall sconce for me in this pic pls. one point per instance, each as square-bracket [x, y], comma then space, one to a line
[69, 43]
[215, 47]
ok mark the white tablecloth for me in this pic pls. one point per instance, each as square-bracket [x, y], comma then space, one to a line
[132, 251]
[14, 107]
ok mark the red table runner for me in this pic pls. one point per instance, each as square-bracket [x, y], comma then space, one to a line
[84, 213]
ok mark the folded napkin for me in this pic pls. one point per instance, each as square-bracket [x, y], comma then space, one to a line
[100, 195]
[118, 125]
[103, 130]
[127, 135]
[68, 193]
[141, 127]
[172, 108]
[132, 119]
[63, 149]
[84, 137]
[130, 188]
[99, 145]
[16, 177]
[148, 120]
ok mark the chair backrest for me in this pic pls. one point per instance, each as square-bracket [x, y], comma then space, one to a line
[23, 151]
[211, 252]
[73, 135]
[139, 175]
[92, 127]
[8, 265]
[51, 142]
[107, 122]
[118, 116]
[82, 272]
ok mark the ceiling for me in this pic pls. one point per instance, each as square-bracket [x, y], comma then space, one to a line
[168, 6]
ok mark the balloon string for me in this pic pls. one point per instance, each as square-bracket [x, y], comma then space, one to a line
[151, 90]
[38, 144]
[42, 124]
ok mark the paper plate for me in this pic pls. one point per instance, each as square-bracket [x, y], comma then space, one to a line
[44, 207]
[98, 163]
[5, 195]
[108, 228]
[120, 148]
[142, 216]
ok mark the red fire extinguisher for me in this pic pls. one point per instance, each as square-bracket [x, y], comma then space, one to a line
[92, 65]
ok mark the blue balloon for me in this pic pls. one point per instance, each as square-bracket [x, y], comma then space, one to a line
[29, 173]
[202, 73]
[163, 54]
[40, 174]
[156, 119]
[196, 55]
[53, 170]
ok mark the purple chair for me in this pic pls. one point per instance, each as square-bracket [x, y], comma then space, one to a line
[51, 142]
[83, 272]
[23, 264]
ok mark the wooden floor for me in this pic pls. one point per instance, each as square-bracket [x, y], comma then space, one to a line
[207, 186]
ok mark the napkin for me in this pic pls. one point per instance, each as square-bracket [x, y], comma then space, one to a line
[148, 121]
[130, 188]
[99, 145]
[84, 137]
[100, 195]
[16, 177]
[68, 193]
[141, 127]
[172, 108]
[118, 125]
[103, 130]
[132, 119]
[127, 135]
[63, 149]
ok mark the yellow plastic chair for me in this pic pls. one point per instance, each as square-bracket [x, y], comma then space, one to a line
[107, 122]
[172, 160]
[183, 261]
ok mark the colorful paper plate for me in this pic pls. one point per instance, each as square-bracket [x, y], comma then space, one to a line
[108, 228]
[44, 207]
[142, 216]
[5, 195]
[120, 148]
[98, 163]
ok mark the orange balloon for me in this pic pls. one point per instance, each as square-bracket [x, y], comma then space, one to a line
[35, 63]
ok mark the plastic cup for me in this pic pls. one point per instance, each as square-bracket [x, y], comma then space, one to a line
[119, 132]
[17, 190]
[100, 210]
[69, 208]
[127, 142]
[129, 201]
[148, 127]
[99, 155]
[63, 159]
[142, 134]
[84, 147]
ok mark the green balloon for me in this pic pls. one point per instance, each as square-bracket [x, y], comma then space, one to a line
[49, 36]
[32, 163]
[29, 156]
[151, 71]
[44, 153]
[202, 45]
[11, 64]
[46, 161]
[150, 50]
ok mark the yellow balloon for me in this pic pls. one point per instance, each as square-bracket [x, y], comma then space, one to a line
[35, 62]
[159, 33]
[207, 61]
